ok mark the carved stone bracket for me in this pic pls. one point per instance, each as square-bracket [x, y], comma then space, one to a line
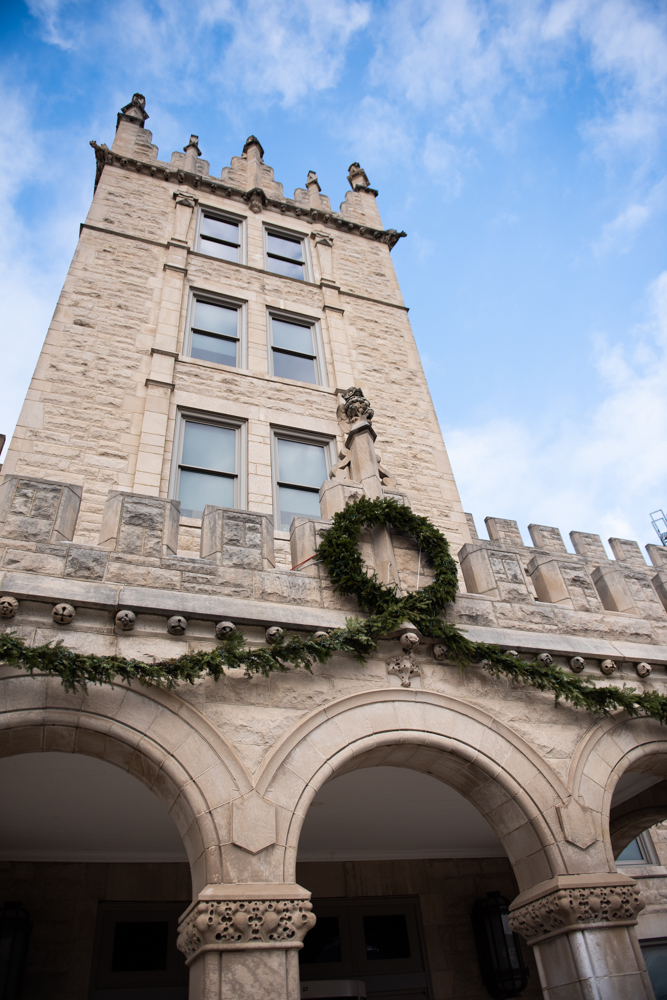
[405, 666]
[242, 924]
[575, 902]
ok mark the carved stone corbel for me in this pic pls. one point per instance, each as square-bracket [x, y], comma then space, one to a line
[570, 903]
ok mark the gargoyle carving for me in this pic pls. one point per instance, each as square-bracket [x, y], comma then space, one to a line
[355, 406]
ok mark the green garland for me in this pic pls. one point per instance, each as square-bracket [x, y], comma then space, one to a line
[339, 551]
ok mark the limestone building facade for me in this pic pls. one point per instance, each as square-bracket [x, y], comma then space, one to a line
[188, 434]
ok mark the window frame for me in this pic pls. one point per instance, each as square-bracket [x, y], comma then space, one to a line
[183, 414]
[288, 234]
[318, 344]
[301, 437]
[226, 301]
[223, 216]
[646, 848]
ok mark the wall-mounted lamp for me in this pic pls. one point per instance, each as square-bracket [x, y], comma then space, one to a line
[15, 927]
[500, 960]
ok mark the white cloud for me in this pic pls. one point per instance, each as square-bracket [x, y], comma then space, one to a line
[602, 471]
[619, 235]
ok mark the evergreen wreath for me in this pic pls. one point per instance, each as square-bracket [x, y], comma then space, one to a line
[386, 611]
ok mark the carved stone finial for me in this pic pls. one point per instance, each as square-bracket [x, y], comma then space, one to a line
[251, 141]
[355, 406]
[193, 144]
[134, 112]
[357, 177]
[312, 182]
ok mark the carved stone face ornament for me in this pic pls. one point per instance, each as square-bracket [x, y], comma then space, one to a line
[607, 667]
[546, 659]
[126, 620]
[643, 669]
[440, 651]
[8, 606]
[176, 625]
[409, 640]
[274, 633]
[63, 614]
[577, 664]
[223, 629]
[356, 406]
[405, 667]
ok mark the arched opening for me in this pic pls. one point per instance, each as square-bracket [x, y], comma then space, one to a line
[395, 857]
[100, 867]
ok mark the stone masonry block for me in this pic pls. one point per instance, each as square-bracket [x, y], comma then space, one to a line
[589, 546]
[548, 580]
[546, 538]
[627, 551]
[503, 531]
[253, 823]
[613, 589]
[494, 572]
[38, 510]
[472, 528]
[305, 536]
[563, 581]
[336, 494]
[659, 581]
[140, 525]
[658, 555]
[237, 538]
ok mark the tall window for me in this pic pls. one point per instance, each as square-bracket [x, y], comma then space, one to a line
[207, 468]
[214, 333]
[300, 469]
[285, 255]
[294, 350]
[219, 237]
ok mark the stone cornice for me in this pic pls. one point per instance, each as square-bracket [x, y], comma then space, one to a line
[256, 199]
[571, 903]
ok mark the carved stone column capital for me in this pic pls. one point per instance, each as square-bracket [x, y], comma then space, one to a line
[245, 918]
[573, 903]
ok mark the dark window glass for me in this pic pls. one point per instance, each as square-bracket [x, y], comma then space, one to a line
[207, 468]
[295, 367]
[211, 318]
[632, 852]
[292, 336]
[655, 957]
[386, 937]
[285, 256]
[214, 333]
[220, 238]
[217, 349]
[301, 464]
[322, 944]
[140, 946]
[297, 503]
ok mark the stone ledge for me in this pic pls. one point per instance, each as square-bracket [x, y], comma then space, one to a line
[566, 645]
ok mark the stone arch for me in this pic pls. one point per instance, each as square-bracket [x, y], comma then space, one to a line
[490, 765]
[149, 732]
[611, 748]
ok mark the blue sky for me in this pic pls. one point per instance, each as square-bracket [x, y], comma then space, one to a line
[520, 144]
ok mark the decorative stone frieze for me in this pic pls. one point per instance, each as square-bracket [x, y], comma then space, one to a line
[63, 614]
[8, 606]
[575, 902]
[244, 924]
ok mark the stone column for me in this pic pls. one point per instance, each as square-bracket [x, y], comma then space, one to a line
[582, 929]
[241, 942]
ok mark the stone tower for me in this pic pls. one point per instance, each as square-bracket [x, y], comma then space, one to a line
[226, 368]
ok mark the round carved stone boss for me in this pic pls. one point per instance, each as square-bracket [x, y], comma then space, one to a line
[223, 629]
[607, 667]
[319, 636]
[274, 633]
[643, 669]
[176, 625]
[577, 664]
[409, 639]
[8, 606]
[546, 659]
[440, 651]
[126, 620]
[63, 614]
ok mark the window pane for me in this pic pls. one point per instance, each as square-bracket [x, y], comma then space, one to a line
[213, 349]
[386, 937]
[284, 247]
[655, 956]
[302, 464]
[632, 852]
[216, 319]
[297, 503]
[140, 946]
[322, 943]
[220, 230]
[292, 366]
[199, 488]
[221, 250]
[287, 267]
[209, 447]
[292, 336]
